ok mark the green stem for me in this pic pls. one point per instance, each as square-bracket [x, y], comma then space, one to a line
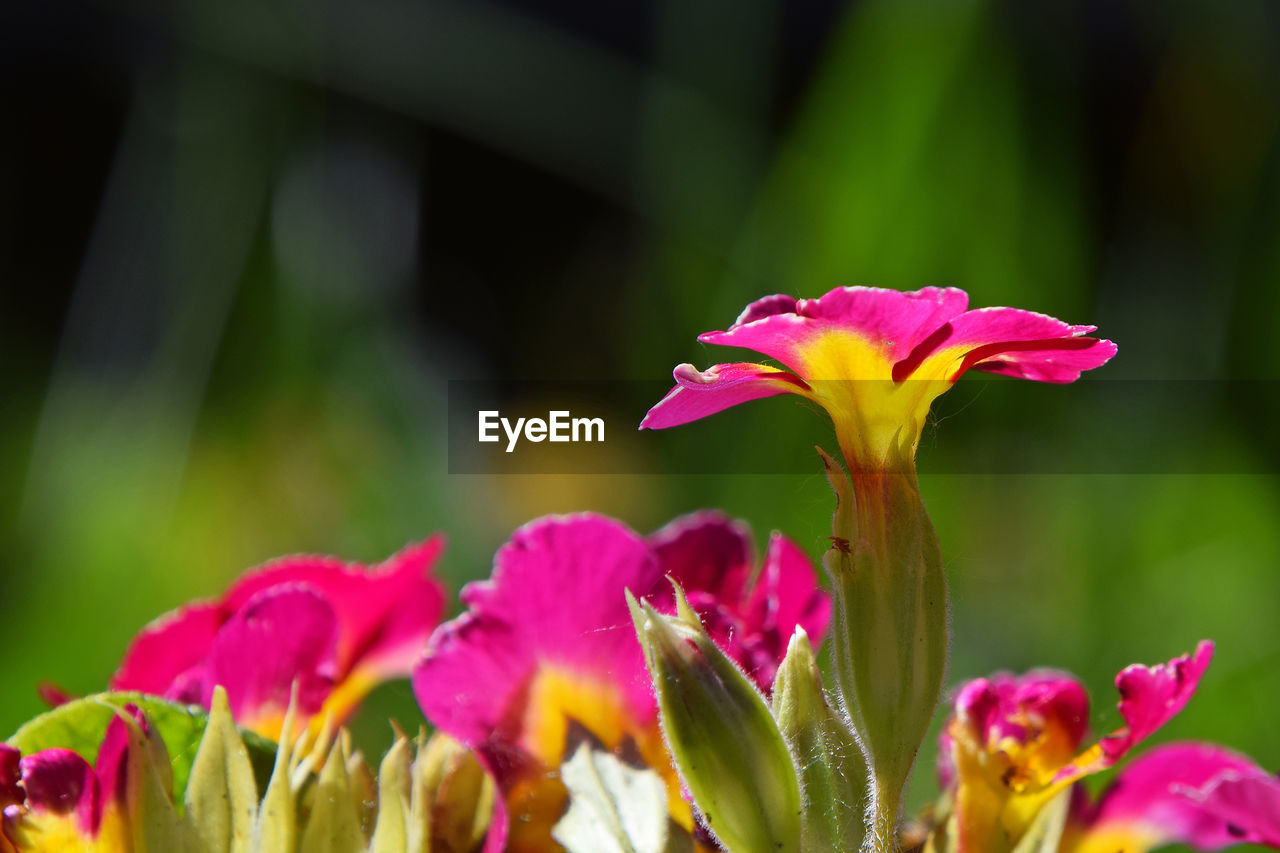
[882, 836]
[890, 637]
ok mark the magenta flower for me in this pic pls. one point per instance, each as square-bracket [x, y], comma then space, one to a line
[876, 359]
[1013, 745]
[546, 651]
[335, 629]
[55, 800]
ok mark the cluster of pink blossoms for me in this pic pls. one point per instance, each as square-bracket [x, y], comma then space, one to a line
[544, 657]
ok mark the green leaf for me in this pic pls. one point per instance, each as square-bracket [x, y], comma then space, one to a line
[615, 808]
[80, 725]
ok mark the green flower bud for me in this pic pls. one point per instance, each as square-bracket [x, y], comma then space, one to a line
[721, 734]
[833, 774]
[452, 794]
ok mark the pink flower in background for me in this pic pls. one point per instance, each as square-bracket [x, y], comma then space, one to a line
[876, 359]
[546, 654]
[335, 629]
[1013, 746]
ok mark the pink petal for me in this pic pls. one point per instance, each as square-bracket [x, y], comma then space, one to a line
[281, 635]
[766, 306]
[711, 557]
[60, 782]
[1151, 696]
[719, 387]
[112, 764]
[1192, 793]
[556, 597]
[10, 775]
[168, 647]
[999, 707]
[1023, 344]
[384, 614]
[786, 596]
[892, 319]
[1248, 802]
[899, 321]
[704, 551]
[789, 584]
[495, 840]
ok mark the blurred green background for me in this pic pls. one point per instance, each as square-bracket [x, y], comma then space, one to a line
[244, 246]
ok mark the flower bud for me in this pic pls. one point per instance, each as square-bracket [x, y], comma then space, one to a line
[833, 774]
[452, 795]
[724, 740]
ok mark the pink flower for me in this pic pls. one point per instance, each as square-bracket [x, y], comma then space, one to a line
[334, 629]
[55, 800]
[1013, 745]
[546, 654]
[876, 359]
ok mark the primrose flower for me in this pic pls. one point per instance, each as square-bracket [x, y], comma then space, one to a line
[335, 629]
[546, 657]
[55, 800]
[1013, 748]
[876, 359]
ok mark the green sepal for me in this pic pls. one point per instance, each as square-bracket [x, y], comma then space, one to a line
[890, 629]
[721, 734]
[222, 797]
[833, 773]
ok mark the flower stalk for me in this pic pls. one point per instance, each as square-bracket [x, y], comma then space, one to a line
[889, 641]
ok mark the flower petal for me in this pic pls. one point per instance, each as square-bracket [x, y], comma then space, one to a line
[168, 647]
[1150, 696]
[1018, 343]
[766, 306]
[789, 584]
[719, 387]
[704, 551]
[60, 782]
[280, 636]
[786, 596]
[891, 321]
[556, 596]
[1188, 793]
[711, 557]
[384, 614]
[1248, 802]
[10, 776]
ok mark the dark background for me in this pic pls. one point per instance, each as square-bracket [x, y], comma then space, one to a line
[245, 245]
